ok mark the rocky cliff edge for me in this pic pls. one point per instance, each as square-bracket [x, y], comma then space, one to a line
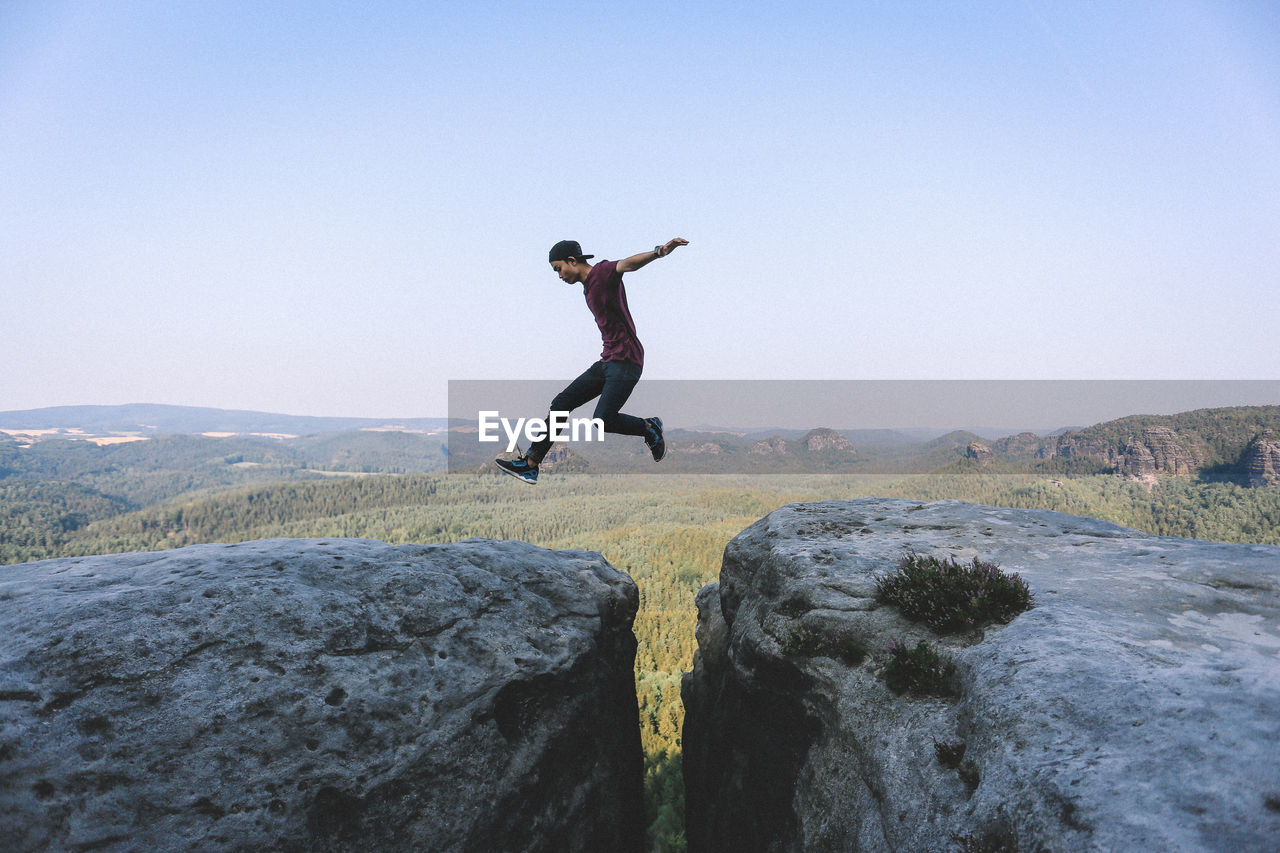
[1136, 706]
[320, 695]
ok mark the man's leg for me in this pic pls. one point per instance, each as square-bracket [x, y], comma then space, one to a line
[581, 390]
[612, 382]
[620, 378]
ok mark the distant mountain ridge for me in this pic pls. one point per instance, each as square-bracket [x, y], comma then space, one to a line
[1212, 443]
[1203, 441]
[1231, 443]
[161, 419]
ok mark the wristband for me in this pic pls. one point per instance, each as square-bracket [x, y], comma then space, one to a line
[657, 250]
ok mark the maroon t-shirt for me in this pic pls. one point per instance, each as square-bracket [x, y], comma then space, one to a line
[607, 299]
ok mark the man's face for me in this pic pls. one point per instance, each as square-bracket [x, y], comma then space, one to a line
[569, 271]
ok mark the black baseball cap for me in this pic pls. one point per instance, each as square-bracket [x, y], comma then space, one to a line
[566, 249]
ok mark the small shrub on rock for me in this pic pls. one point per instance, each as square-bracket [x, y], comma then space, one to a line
[922, 671]
[808, 642]
[949, 596]
[800, 641]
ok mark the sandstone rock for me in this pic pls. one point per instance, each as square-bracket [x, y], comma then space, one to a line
[305, 695]
[1261, 461]
[1136, 462]
[1158, 452]
[1136, 706]
[979, 452]
[1024, 444]
[560, 459]
[700, 448]
[823, 439]
[770, 445]
[1075, 445]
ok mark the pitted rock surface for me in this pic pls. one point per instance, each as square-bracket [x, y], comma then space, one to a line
[319, 695]
[1136, 706]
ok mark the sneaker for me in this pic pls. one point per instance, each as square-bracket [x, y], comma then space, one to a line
[520, 469]
[653, 438]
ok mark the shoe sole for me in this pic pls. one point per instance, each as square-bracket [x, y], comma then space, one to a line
[663, 455]
[517, 476]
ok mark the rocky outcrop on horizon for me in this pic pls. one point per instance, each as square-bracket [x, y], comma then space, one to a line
[979, 453]
[1135, 707]
[770, 445]
[1156, 452]
[824, 440]
[320, 695]
[1147, 447]
[1152, 452]
[1262, 461]
[1022, 445]
[699, 448]
[561, 459]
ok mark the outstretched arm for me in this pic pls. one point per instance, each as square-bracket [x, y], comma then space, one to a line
[635, 262]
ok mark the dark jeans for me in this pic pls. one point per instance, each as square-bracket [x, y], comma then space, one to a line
[612, 382]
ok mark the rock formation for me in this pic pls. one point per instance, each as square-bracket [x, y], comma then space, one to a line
[1023, 444]
[1137, 462]
[1261, 460]
[305, 695]
[823, 439]
[770, 445]
[560, 459]
[1136, 706]
[979, 452]
[1157, 452]
[696, 448]
[1078, 445]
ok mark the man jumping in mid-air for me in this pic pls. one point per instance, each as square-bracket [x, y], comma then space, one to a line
[618, 370]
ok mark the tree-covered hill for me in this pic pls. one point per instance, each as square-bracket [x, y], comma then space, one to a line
[52, 488]
[1214, 438]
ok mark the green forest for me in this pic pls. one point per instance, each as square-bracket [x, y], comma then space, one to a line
[667, 532]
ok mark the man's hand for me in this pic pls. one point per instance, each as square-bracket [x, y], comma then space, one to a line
[670, 246]
[635, 262]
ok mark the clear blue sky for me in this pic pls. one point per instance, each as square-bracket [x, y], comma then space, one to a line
[332, 209]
